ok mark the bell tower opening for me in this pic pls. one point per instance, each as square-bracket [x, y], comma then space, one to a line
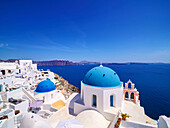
[126, 95]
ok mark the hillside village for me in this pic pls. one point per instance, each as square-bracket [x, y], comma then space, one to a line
[32, 98]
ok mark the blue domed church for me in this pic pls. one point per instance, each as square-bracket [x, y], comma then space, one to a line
[45, 86]
[45, 90]
[101, 90]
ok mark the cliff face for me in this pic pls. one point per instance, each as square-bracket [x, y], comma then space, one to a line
[9, 60]
[54, 62]
[65, 85]
[61, 62]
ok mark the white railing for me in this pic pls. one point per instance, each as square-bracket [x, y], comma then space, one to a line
[28, 95]
[112, 124]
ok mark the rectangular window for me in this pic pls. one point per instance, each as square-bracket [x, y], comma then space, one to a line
[0, 87]
[111, 100]
[94, 101]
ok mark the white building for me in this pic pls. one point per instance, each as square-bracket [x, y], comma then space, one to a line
[8, 116]
[47, 92]
[7, 69]
[14, 75]
[101, 90]
[27, 66]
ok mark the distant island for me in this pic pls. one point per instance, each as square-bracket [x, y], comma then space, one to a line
[67, 62]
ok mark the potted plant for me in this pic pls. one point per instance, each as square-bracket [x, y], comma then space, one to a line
[124, 116]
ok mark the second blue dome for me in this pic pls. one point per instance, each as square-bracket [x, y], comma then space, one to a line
[45, 86]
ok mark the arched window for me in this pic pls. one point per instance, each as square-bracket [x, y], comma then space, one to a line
[111, 101]
[94, 101]
[132, 95]
[129, 85]
[126, 95]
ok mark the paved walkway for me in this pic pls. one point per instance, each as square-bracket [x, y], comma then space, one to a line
[62, 114]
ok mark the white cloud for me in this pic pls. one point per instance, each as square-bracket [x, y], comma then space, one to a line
[1, 45]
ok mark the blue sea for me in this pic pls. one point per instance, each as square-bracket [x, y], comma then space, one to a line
[151, 80]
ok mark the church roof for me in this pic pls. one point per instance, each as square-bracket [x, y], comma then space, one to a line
[102, 77]
[45, 86]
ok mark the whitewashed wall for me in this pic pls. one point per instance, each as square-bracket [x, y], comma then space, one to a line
[103, 100]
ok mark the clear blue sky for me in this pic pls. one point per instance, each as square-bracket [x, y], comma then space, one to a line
[93, 30]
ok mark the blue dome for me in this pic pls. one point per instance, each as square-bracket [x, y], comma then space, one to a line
[45, 86]
[103, 77]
